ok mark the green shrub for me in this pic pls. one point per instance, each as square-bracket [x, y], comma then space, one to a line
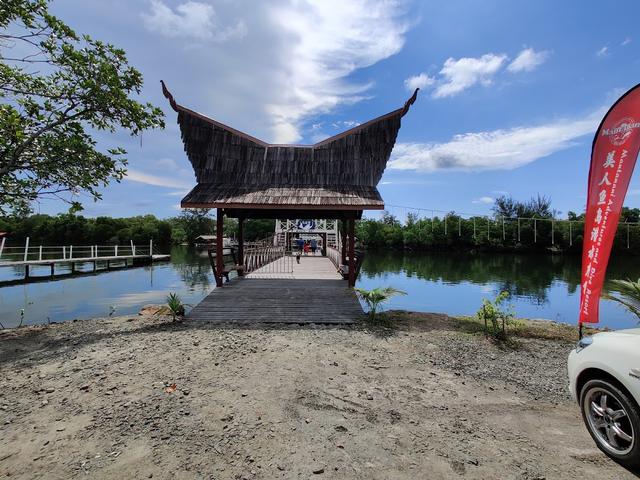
[495, 317]
[374, 298]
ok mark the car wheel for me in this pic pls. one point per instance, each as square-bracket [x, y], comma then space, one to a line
[613, 420]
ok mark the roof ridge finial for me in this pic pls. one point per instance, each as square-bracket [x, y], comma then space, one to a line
[167, 94]
[410, 102]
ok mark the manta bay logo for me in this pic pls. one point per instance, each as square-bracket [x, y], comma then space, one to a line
[621, 130]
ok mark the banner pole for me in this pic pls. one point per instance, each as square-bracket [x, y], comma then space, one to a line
[579, 330]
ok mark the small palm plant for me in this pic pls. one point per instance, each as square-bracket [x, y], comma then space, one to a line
[376, 297]
[629, 295]
[175, 305]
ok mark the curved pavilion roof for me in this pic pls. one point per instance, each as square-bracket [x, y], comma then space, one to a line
[237, 171]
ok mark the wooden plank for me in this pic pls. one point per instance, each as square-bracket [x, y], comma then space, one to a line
[259, 300]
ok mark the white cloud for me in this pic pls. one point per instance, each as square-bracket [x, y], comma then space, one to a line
[190, 19]
[465, 72]
[494, 150]
[295, 62]
[485, 200]
[603, 52]
[418, 81]
[158, 181]
[626, 41]
[324, 49]
[528, 60]
[167, 163]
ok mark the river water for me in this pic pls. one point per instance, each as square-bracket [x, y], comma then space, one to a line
[541, 286]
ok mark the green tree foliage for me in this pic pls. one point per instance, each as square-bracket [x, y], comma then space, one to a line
[376, 297]
[538, 231]
[538, 207]
[56, 87]
[495, 317]
[193, 222]
[257, 229]
[70, 229]
[629, 295]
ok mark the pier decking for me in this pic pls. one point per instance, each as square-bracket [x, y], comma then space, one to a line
[313, 293]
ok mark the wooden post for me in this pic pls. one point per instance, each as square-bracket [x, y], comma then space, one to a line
[115, 253]
[219, 245]
[26, 252]
[64, 252]
[70, 251]
[2, 245]
[40, 253]
[151, 248]
[95, 250]
[133, 249]
[241, 245]
[352, 260]
[343, 233]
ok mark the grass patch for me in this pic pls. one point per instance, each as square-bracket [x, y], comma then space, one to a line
[519, 328]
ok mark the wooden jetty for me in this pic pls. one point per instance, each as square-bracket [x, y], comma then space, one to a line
[313, 293]
[246, 178]
[110, 256]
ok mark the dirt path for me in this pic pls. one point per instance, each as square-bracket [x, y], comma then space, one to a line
[87, 399]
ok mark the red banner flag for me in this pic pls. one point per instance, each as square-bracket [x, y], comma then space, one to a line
[613, 156]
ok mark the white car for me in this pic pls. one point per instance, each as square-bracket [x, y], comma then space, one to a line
[604, 377]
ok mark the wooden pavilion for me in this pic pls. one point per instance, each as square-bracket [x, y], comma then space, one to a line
[244, 177]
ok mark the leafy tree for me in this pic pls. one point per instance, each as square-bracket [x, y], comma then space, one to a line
[56, 87]
[538, 207]
[257, 229]
[195, 222]
[631, 215]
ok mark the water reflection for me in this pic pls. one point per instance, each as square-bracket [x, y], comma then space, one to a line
[541, 286]
[126, 290]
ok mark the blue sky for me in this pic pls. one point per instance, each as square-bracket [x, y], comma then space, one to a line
[511, 92]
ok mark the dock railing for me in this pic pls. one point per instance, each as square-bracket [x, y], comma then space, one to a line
[59, 253]
[265, 254]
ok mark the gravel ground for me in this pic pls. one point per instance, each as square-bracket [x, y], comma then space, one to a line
[141, 397]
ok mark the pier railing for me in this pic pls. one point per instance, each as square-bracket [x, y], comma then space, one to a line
[269, 258]
[58, 253]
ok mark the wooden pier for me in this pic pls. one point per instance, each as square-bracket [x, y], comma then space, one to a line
[110, 257]
[314, 292]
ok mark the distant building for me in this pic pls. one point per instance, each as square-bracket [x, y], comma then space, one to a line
[210, 241]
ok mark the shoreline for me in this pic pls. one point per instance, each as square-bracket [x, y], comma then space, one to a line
[143, 397]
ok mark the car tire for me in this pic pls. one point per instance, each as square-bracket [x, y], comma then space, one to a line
[613, 420]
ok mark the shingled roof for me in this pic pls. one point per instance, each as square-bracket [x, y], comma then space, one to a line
[237, 171]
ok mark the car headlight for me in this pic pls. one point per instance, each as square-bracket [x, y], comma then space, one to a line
[583, 343]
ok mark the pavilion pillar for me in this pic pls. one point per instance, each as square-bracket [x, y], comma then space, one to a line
[352, 248]
[343, 234]
[241, 245]
[219, 246]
